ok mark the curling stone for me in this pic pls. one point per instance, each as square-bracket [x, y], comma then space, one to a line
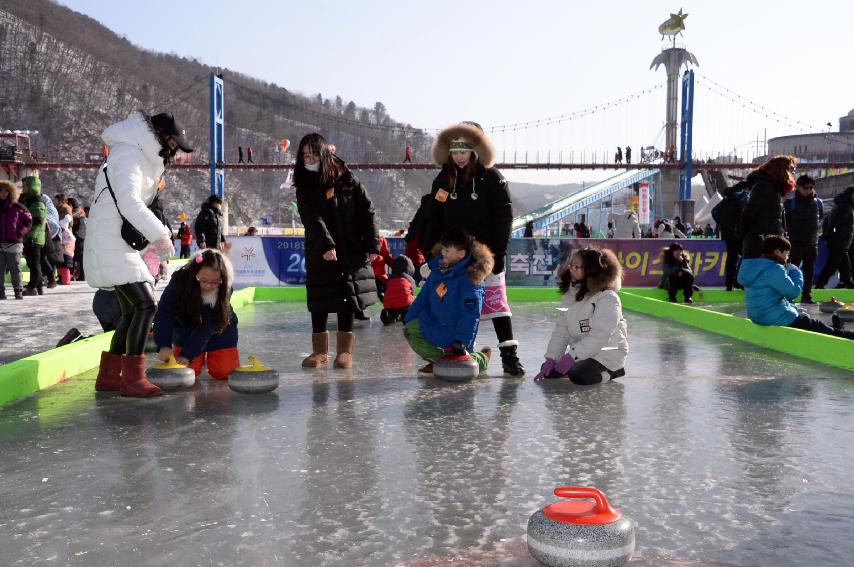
[171, 375]
[452, 368]
[253, 379]
[580, 533]
[830, 306]
[845, 314]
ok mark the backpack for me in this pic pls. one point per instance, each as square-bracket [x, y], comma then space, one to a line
[727, 213]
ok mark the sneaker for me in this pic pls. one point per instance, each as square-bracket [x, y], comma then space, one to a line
[426, 371]
[689, 300]
[30, 291]
[72, 335]
[19, 294]
[360, 316]
[672, 299]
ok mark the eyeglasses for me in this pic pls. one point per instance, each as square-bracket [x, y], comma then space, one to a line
[208, 282]
[792, 168]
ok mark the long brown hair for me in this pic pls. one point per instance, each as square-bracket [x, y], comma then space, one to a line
[330, 166]
[779, 169]
[469, 171]
[189, 293]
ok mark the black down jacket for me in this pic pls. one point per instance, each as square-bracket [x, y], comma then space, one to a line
[339, 217]
[763, 214]
[488, 217]
[208, 227]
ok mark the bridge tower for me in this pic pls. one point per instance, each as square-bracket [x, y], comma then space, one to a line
[217, 157]
[674, 58]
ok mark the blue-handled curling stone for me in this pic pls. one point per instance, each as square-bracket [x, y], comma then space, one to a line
[254, 378]
[171, 375]
[580, 533]
[452, 368]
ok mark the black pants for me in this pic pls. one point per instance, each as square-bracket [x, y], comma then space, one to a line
[683, 281]
[185, 250]
[136, 301]
[733, 253]
[33, 256]
[381, 283]
[807, 323]
[345, 321]
[79, 245]
[837, 260]
[807, 254]
[389, 316]
[588, 371]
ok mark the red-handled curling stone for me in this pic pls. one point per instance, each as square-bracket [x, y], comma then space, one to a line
[452, 368]
[580, 533]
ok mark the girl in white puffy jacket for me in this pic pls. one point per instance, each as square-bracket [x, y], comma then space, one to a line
[588, 344]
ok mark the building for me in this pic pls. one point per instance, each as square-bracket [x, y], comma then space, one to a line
[821, 146]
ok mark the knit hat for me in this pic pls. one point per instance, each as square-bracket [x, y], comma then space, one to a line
[32, 182]
[460, 145]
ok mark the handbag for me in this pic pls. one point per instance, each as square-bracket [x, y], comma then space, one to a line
[130, 234]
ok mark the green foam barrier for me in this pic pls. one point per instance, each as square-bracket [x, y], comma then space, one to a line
[28, 375]
[826, 349]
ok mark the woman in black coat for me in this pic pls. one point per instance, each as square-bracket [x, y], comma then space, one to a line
[340, 243]
[763, 215]
[470, 193]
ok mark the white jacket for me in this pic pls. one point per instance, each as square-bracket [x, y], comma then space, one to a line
[589, 326]
[134, 169]
[626, 225]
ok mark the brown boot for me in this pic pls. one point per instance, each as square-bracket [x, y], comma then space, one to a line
[344, 358]
[109, 373]
[319, 350]
[134, 382]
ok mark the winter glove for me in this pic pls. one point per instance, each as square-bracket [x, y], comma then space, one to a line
[456, 349]
[546, 369]
[564, 364]
[163, 248]
[498, 267]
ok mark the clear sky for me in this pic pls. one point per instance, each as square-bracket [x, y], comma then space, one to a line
[437, 62]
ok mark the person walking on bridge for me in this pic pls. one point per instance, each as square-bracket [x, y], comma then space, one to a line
[470, 193]
[628, 154]
[618, 157]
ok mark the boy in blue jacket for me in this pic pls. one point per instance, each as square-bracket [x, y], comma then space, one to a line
[445, 315]
[771, 284]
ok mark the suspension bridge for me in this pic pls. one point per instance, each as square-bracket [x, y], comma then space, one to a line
[594, 138]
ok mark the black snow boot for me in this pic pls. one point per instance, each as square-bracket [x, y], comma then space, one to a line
[509, 361]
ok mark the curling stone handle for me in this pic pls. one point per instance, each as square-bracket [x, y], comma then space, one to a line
[602, 504]
[172, 361]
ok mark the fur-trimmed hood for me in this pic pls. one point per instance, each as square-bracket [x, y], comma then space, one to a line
[473, 136]
[480, 265]
[611, 278]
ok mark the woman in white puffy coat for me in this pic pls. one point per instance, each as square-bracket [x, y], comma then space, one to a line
[140, 149]
[589, 343]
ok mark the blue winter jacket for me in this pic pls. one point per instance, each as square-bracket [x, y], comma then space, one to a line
[448, 306]
[170, 329]
[769, 289]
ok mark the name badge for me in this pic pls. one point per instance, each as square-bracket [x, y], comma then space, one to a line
[330, 193]
[441, 290]
[441, 195]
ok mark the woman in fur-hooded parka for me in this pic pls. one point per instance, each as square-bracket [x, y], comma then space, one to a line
[477, 200]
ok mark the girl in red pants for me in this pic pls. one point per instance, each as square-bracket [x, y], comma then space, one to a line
[194, 320]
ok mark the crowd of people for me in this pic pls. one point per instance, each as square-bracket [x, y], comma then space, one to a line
[456, 246]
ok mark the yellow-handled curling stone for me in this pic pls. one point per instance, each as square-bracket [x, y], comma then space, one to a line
[254, 378]
[580, 533]
[830, 306]
[171, 375]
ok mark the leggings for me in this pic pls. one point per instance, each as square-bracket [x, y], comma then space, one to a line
[345, 321]
[33, 254]
[503, 329]
[136, 301]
